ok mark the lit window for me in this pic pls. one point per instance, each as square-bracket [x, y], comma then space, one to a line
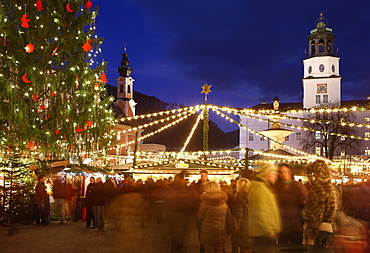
[342, 153]
[298, 136]
[318, 99]
[367, 151]
[367, 134]
[317, 135]
[318, 151]
[250, 137]
[325, 98]
[367, 119]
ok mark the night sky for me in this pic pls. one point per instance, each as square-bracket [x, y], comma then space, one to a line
[249, 51]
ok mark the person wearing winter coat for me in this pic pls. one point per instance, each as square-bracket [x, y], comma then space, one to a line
[179, 209]
[99, 197]
[59, 195]
[40, 198]
[239, 208]
[321, 207]
[212, 217]
[291, 196]
[264, 215]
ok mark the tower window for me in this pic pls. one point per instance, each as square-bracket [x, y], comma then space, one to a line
[318, 99]
[313, 48]
[321, 46]
[250, 137]
[121, 89]
[129, 89]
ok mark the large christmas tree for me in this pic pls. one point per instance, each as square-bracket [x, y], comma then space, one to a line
[53, 101]
[52, 94]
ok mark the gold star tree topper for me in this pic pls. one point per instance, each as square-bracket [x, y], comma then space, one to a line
[206, 88]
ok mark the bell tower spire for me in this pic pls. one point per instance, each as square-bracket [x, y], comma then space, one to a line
[321, 80]
[125, 83]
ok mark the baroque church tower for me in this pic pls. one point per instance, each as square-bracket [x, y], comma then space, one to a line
[321, 79]
[125, 91]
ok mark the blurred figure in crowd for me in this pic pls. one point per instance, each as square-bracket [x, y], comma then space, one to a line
[292, 197]
[89, 203]
[40, 198]
[212, 218]
[99, 197]
[321, 206]
[239, 208]
[179, 206]
[198, 191]
[59, 195]
[264, 216]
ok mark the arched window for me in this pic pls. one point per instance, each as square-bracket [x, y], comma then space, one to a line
[321, 46]
[313, 48]
[329, 46]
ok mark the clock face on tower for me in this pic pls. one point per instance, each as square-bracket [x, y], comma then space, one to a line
[322, 88]
[321, 67]
[309, 69]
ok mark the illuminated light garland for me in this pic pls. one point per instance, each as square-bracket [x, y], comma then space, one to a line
[192, 108]
[191, 133]
[155, 122]
[351, 124]
[307, 128]
[270, 139]
[152, 133]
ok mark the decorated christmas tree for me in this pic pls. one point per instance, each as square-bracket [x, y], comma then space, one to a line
[53, 101]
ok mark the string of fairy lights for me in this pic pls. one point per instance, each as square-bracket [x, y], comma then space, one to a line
[238, 112]
[312, 129]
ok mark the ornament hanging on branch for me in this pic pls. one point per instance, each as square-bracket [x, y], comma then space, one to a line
[56, 131]
[103, 78]
[39, 5]
[24, 79]
[34, 97]
[29, 48]
[54, 51]
[42, 107]
[77, 83]
[68, 8]
[88, 4]
[25, 21]
[87, 46]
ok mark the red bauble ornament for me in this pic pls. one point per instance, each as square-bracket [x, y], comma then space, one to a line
[25, 21]
[42, 107]
[87, 46]
[72, 146]
[89, 122]
[31, 145]
[56, 131]
[78, 129]
[34, 97]
[30, 48]
[53, 93]
[88, 4]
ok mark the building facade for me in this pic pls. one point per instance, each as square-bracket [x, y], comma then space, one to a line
[321, 88]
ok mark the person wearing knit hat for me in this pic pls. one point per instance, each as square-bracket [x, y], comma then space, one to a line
[264, 216]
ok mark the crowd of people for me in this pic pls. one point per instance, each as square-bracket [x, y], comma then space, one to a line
[270, 207]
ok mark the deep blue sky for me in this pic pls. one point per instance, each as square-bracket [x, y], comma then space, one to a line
[250, 51]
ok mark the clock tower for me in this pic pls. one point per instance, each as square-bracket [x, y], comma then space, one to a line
[125, 91]
[321, 80]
